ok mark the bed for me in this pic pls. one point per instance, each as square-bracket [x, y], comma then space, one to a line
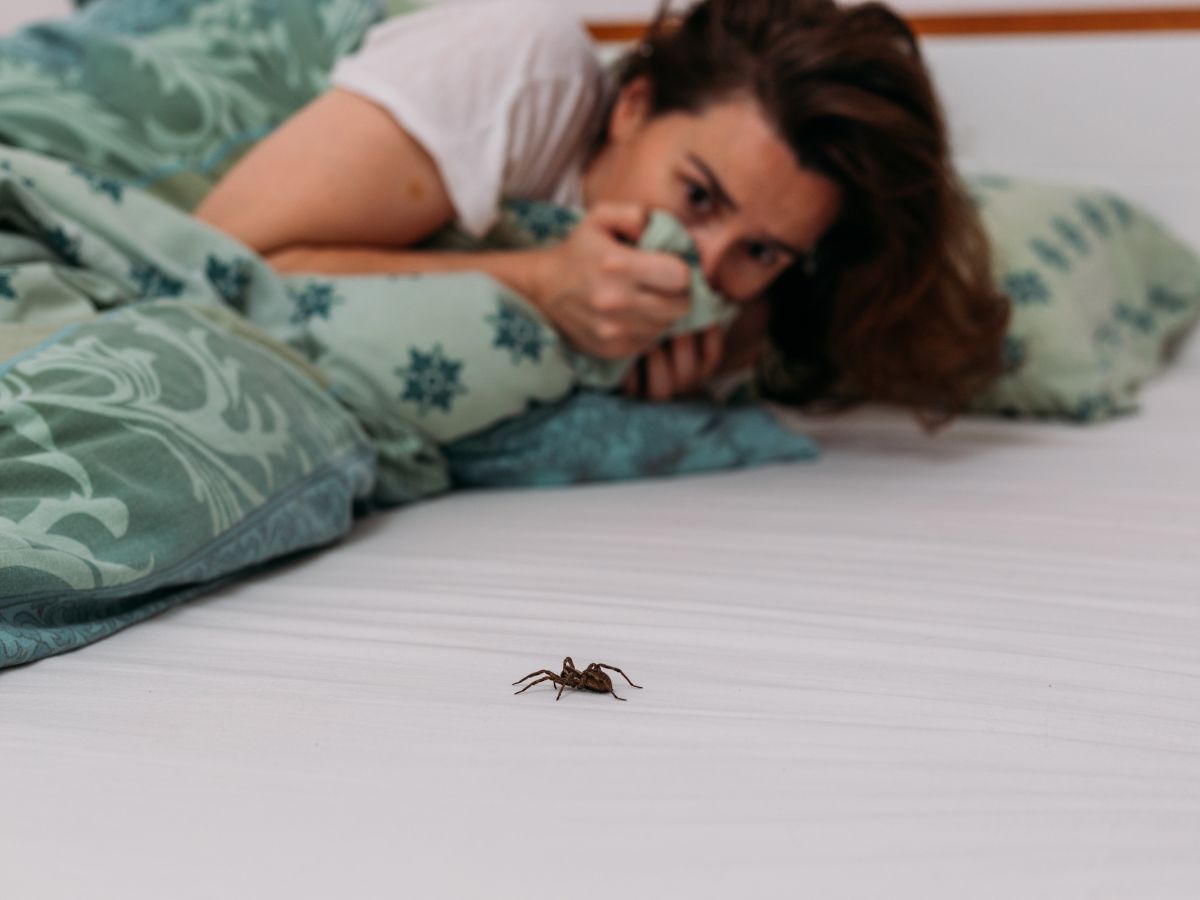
[961, 666]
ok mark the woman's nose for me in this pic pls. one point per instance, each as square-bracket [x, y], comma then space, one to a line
[712, 244]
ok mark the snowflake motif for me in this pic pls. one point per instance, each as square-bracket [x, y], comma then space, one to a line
[1014, 353]
[1139, 319]
[431, 379]
[1072, 235]
[1094, 216]
[100, 184]
[519, 333]
[230, 279]
[154, 282]
[1050, 254]
[317, 298]
[1093, 408]
[545, 221]
[1122, 210]
[63, 244]
[6, 288]
[1167, 301]
[1026, 288]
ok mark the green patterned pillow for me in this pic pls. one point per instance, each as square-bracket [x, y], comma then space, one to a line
[1101, 293]
[456, 353]
[149, 455]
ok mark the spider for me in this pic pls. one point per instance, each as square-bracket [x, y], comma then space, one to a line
[590, 679]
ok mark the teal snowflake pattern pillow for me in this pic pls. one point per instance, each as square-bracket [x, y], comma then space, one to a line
[1101, 292]
[456, 353]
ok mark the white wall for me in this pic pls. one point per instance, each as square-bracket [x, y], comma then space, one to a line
[18, 12]
[1114, 111]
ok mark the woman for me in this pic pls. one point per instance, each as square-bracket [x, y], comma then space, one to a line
[799, 142]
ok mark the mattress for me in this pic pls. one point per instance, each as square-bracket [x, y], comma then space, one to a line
[958, 666]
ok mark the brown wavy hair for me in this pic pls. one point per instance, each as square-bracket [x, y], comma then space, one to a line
[897, 303]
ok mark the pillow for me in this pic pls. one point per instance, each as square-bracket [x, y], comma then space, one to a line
[594, 436]
[456, 353]
[1101, 292]
[148, 456]
[168, 95]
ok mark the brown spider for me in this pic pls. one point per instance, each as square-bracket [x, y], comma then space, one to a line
[590, 679]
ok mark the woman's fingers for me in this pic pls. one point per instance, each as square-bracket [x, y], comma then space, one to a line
[713, 341]
[609, 298]
[658, 312]
[694, 359]
[685, 364]
[659, 381]
[633, 381]
[676, 367]
[663, 273]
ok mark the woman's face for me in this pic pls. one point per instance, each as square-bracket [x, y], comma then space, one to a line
[726, 175]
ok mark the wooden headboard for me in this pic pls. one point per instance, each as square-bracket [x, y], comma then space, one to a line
[1000, 22]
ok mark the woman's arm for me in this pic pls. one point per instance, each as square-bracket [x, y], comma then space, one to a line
[339, 172]
[341, 188]
[521, 270]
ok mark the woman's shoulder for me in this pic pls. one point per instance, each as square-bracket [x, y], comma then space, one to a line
[540, 35]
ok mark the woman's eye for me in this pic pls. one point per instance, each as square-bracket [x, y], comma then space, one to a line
[698, 197]
[763, 254]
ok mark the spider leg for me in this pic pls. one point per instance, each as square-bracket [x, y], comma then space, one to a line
[538, 672]
[563, 687]
[615, 669]
[554, 678]
[614, 693]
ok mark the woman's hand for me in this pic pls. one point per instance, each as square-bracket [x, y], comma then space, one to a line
[610, 299]
[678, 367]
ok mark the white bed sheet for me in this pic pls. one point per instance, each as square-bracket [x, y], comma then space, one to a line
[959, 667]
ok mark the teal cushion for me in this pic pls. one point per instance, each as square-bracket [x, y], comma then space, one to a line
[594, 436]
[1101, 293]
[148, 455]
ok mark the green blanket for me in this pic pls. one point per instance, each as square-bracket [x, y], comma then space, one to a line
[174, 413]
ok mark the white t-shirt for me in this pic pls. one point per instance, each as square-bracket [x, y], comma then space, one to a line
[505, 95]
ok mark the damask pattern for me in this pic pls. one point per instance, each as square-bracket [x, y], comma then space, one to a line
[167, 94]
[155, 450]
